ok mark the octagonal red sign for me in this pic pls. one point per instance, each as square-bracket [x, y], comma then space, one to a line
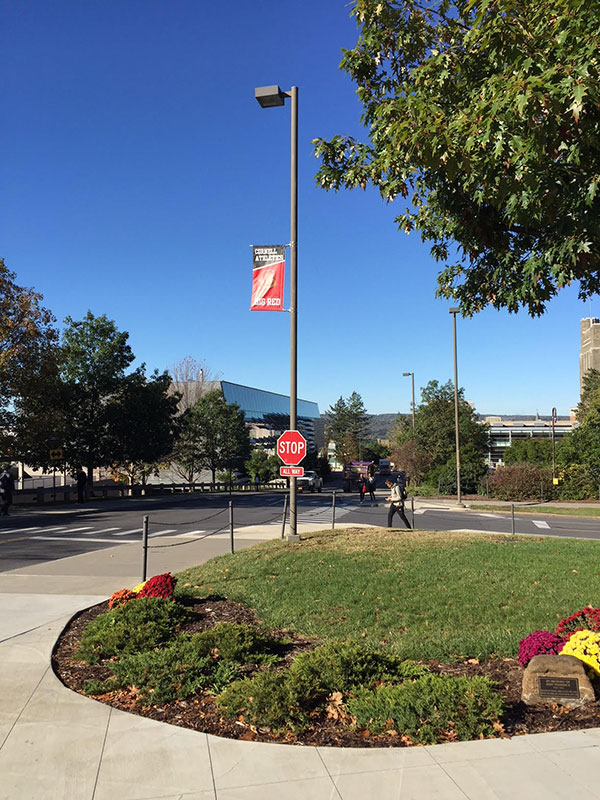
[291, 447]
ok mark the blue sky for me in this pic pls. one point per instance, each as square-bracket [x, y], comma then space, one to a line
[138, 169]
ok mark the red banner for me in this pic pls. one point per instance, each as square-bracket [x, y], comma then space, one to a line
[268, 275]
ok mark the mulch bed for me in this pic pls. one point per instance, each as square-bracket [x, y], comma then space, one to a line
[201, 713]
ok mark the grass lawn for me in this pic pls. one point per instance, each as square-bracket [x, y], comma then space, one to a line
[576, 511]
[423, 594]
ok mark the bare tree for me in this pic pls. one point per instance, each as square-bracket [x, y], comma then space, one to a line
[190, 378]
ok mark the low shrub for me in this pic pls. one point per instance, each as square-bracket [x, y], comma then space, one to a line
[584, 645]
[289, 698]
[263, 700]
[235, 642]
[521, 482]
[342, 666]
[430, 709]
[175, 672]
[131, 628]
[121, 597]
[539, 643]
[587, 619]
[159, 586]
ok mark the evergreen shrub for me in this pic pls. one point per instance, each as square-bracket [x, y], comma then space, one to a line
[430, 709]
[136, 626]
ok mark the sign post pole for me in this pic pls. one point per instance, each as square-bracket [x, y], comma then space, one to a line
[291, 449]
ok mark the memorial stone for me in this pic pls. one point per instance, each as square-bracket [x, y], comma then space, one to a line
[556, 679]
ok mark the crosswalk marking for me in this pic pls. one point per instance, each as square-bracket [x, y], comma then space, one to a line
[132, 530]
[80, 539]
[21, 530]
[162, 533]
[191, 534]
[107, 530]
[539, 523]
[78, 530]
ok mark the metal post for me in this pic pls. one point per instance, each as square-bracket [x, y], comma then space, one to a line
[231, 548]
[454, 312]
[144, 547]
[412, 380]
[293, 536]
[285, 510]
[512, 513]
[541, 490]
[412, 511]
[553, 462]
[333, 511]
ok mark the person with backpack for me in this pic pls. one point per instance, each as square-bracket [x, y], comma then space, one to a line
[7, 487]
[396, 501]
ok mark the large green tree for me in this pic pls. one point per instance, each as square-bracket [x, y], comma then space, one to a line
[142, 423]
[28, 341]
[428, 451]
[485, 116]
[347, 422]
[214, 436]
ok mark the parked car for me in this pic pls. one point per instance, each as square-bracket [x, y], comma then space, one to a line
[310, 480]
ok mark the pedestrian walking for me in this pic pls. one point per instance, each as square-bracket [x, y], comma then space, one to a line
[371, 485]
[7, 487]
[81, 478]
[396, 501]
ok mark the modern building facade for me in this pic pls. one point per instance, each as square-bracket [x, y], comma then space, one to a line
[505, 430]
[266, 413]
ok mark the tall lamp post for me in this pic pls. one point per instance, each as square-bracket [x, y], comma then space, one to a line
[271, 97]
[454, 312]
[553, 447]
[412, 376]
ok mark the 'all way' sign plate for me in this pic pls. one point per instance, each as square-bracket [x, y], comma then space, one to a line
[292, 472]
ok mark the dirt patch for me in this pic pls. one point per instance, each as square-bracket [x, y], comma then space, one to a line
[201, 713]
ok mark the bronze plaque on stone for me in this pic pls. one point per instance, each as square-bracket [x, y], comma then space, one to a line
[555, 686]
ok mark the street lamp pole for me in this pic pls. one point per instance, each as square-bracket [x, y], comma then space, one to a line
[454, 312]
[412, 376]
[270, 97]
[553, 462]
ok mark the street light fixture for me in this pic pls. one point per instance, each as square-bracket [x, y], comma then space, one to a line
[412, 376]
[454, 312]
[271, 97]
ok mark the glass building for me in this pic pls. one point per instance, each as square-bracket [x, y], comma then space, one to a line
[268, 413]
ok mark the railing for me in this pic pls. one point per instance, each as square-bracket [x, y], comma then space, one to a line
[66, 494]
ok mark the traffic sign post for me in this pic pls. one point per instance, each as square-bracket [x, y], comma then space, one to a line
[291, 447]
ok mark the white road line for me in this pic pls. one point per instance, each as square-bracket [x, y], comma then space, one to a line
[21, 530]
[107, 530]
[417, 510]
[161, 533]
[539, 523]
[79, 539]
[133, 530]
[491, 516]
[78, 530]
[191, 534]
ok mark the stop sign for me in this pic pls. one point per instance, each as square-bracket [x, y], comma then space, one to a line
[291, 447]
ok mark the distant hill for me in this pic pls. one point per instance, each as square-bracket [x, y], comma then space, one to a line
[379, 425]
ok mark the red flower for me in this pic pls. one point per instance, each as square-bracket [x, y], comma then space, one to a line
[159, 586]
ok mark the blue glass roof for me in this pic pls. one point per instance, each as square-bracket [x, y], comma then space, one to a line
[255, 403]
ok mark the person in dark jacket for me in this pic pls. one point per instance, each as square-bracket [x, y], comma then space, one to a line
[7, 487]
[81, 478]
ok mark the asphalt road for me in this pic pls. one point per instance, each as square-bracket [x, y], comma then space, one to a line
[35, 536]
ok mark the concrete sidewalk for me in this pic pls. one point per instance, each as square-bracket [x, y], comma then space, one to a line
[58, 745]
